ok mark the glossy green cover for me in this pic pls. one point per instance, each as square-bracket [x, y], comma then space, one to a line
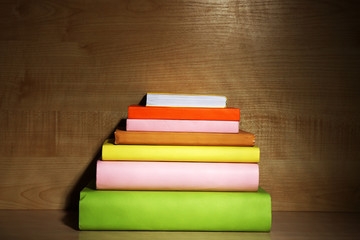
[174, 210]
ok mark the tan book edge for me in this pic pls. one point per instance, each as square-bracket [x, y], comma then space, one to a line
[184, 138]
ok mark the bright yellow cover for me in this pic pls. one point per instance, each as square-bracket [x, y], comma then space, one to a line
[110, 151]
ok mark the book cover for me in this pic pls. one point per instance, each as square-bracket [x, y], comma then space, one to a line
[111, 151]
[184, 138]
[190, 176]
[183, 113]
[185, 100]
[174, 210]
[159, 125]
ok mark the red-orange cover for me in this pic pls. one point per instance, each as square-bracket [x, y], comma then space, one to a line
[183, 113]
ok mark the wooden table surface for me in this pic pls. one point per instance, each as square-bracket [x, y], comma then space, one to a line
[57, 224]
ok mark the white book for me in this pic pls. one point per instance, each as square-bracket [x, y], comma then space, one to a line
[185, 100]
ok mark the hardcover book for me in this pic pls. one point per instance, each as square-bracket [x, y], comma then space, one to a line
[185, 100]
[159, 125]
[174, 210]
[184, 138]
[111, 151]
[190, 176]
[183, 113]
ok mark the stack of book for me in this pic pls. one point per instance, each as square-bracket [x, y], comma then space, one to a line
[181, 164]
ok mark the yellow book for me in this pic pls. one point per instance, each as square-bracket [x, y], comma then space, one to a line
[110, 151]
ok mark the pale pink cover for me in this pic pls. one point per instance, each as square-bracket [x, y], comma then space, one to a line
[193, 176]
[182, 125]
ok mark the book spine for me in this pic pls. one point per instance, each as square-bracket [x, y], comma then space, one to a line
[191, 176]
[184, 138]
[110, 151]
[182, 125]
[185, 100]
[174, 210]
[181, 113]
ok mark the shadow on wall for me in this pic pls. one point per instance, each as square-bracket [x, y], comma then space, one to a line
[71, 217]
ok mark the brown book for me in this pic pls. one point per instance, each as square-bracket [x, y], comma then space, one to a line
[184, 138]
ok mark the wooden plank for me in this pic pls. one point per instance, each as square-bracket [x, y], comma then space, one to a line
[41, 182]
[27, 133]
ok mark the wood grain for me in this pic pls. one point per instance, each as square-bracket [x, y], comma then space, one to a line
[69, 70]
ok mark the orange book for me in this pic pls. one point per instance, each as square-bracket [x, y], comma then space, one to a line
[183, 113]
[184, 138]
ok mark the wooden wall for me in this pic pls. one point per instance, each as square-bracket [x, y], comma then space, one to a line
[69, 69]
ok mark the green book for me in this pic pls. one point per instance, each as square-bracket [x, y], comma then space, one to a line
[174, 210]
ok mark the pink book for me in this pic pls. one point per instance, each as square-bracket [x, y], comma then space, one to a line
[152, 125]
[191, 176]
